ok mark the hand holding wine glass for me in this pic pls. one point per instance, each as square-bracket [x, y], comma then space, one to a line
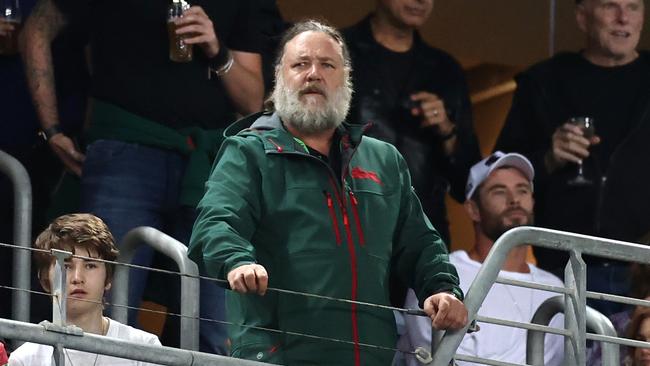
[586, 125]
[571, 143]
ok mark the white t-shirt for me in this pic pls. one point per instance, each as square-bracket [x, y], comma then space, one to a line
[493, 341]
[31, 354]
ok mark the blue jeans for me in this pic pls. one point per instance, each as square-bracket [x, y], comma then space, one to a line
[130, 185]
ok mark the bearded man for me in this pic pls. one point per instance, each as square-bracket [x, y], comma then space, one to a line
[499, 197]
[300, 201]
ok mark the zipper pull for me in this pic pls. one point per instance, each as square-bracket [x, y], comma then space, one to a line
[354, 199]
[335, 225]
[277, 146]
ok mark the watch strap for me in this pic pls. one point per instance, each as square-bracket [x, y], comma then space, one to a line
[48, 132]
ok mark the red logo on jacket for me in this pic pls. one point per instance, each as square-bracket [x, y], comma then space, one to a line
[358, 173]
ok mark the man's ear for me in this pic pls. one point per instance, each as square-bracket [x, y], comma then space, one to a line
[472, 210]
[581, 17]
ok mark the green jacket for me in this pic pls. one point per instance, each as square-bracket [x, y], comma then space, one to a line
[269, 201]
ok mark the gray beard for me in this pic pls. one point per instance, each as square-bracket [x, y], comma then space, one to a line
[306, 116]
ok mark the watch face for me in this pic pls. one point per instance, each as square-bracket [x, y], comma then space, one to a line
[42, 135]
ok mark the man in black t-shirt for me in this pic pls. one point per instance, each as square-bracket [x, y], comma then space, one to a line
[608, 81]
[155, 124]
[415, 96]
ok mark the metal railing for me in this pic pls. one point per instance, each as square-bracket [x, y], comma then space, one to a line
[575, 283]
[22, 226]
[595, 321]
[189, 280]
[67, 338]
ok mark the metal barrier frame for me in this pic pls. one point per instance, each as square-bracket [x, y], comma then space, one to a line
[595, 321]
[22, 185]
[190, 283]
[115, 347]
[575, 282]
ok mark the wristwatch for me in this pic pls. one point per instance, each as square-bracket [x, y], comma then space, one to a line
[221, 63]
[449, 135]
[47, 133]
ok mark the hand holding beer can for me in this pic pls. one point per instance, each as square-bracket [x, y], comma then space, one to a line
[10, 25]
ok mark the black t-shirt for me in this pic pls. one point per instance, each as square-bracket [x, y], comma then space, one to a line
[609, 95]
[131, 66]
[396, 68]
[383, 82]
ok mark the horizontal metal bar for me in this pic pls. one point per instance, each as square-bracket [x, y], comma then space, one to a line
[617, 298]
[486, 361]
[618, 340]
[115, 347]
[529, 326]
[537, 286]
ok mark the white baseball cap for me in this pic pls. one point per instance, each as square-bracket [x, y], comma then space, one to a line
[481, 170]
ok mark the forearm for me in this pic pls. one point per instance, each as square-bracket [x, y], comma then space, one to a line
[40, 29]
[243, 82]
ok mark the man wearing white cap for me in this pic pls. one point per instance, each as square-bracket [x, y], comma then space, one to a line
[499, 194]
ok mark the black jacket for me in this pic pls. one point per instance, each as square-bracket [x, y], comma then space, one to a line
[433, 70]
[618, 204]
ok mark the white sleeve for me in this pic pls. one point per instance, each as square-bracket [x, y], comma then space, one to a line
[418, 328]
[30, 354]
[15, 361]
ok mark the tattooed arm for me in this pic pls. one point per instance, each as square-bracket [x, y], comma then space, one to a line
[43, 25]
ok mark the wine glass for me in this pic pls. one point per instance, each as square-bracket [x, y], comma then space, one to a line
[588, 128]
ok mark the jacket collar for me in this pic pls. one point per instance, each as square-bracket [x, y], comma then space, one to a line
[281, 139]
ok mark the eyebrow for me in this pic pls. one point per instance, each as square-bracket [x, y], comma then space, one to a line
[319, 58]
[69, 259]
[495, 186]
[498, 185]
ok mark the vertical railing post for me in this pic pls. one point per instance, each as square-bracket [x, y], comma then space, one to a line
[58, 286]
[189, 284]
[575, 277]
[22, 226]
[600, 324]
[58, 355]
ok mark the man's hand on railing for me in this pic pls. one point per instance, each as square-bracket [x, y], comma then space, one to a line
[445, 311]
[249, 278]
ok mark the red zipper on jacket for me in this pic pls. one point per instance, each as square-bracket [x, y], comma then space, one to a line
[357, 220]
[335, 223]
[355, 278]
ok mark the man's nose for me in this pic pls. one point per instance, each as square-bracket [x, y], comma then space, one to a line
[76, 274]
[513, 199]
[623, 15]
[314, 73]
